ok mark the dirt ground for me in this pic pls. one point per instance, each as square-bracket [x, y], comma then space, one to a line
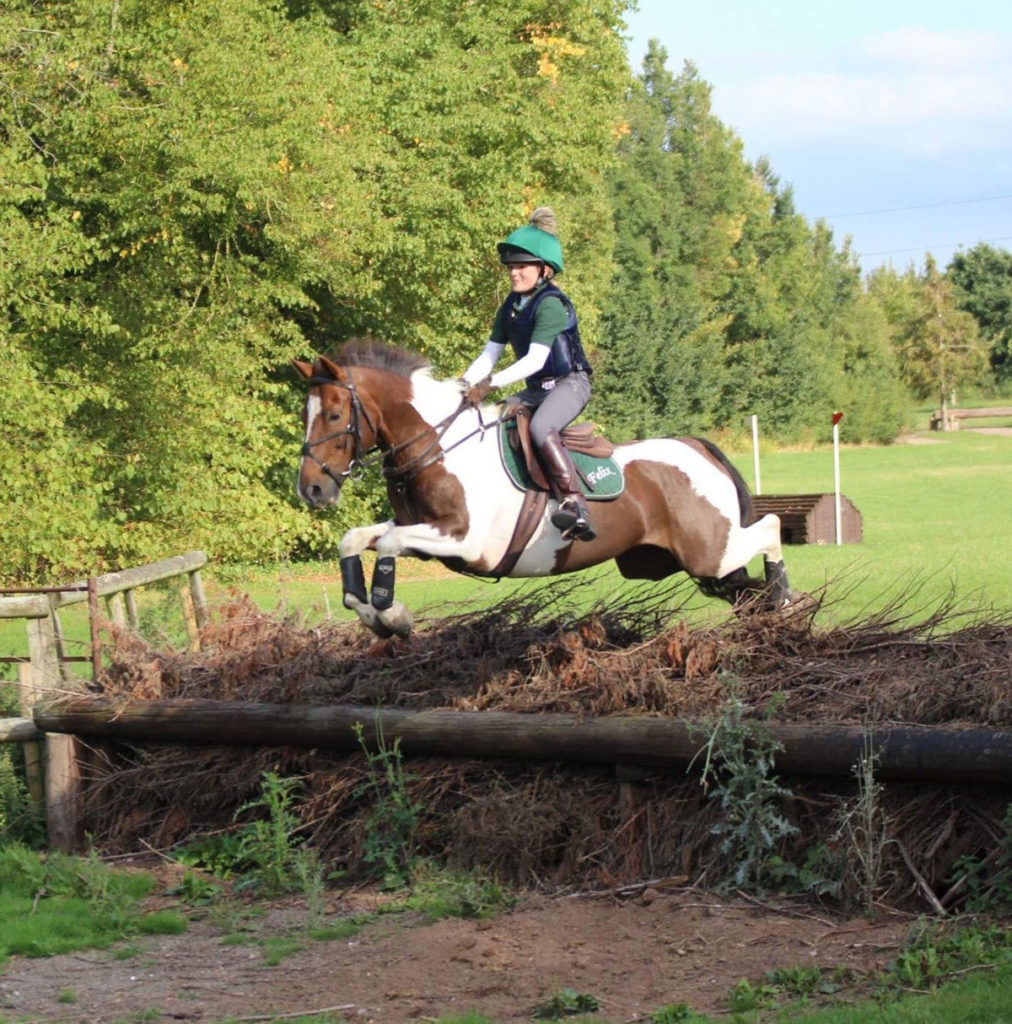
[634, 951]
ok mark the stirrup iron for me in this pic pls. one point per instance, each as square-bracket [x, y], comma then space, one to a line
[571, 519]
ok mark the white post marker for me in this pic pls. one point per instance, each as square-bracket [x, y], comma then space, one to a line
[755, 452]
[837, 416]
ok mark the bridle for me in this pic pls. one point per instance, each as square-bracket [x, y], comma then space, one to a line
[352, 429]
[361, 460]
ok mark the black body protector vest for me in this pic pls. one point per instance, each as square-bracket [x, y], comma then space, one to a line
[566, 354]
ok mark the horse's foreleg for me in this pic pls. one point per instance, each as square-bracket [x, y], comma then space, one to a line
[356, 597]
[418, 538]
[391, 614]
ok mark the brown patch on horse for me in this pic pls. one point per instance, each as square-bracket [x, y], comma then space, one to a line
[659, 514]
[436, 497]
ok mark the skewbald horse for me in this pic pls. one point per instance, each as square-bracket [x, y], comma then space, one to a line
[684, 507]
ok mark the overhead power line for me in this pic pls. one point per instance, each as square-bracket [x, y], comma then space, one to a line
[937, 245]
[919, 206]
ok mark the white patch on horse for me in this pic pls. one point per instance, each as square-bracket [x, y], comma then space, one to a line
[313, 407]
[472, 456]
[706, 480]
[542, 552]
[433, 398]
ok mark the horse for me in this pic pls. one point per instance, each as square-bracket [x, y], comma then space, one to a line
[683, 507]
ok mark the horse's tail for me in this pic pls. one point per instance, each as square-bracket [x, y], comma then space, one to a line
[744, 495]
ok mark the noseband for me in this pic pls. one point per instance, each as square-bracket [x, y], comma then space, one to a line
[353, 428]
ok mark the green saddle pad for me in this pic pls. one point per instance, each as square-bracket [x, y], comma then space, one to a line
[605, 475]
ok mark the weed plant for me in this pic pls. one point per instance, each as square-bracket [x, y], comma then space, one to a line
[738, 773]
[393, 821]
[277, 861]
[440, 893]
[864, 828]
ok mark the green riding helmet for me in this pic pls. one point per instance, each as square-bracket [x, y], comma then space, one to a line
[530, 244]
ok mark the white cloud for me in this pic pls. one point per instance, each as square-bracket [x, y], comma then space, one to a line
[922, 48]
[920, 92]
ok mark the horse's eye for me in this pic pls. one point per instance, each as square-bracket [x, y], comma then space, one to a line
[333, 417]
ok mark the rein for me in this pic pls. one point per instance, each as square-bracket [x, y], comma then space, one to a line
[360, 460]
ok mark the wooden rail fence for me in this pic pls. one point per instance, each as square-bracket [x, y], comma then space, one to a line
[53, 761]
[921, 753]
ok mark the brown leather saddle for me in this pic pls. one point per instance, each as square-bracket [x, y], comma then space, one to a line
[578, 437]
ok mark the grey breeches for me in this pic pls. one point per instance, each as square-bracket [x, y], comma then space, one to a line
[556, 408]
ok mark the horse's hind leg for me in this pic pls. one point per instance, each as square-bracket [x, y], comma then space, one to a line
[762, 538]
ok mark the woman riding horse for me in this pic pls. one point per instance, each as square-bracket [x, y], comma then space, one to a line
[539, 322]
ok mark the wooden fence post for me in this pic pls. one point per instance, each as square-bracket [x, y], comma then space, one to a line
[117, 609]
[32, 748]
[62, 771]
[133, 616]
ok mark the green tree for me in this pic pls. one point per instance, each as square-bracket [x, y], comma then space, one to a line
[938, 346]
[982, 278]
[678, 196]
[725, 301]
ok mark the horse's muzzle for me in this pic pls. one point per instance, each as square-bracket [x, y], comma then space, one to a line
[320, 493]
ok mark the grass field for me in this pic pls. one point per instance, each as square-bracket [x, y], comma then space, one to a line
[935, 511]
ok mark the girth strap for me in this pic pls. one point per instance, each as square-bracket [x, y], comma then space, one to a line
[531, 512]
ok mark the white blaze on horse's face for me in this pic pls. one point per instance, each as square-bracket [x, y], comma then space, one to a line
[312, 411]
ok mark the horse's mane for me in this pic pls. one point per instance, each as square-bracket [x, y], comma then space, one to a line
[381, 356]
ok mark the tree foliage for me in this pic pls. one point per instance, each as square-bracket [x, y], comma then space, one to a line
[938, 346]
[196, 192]
[725, 302]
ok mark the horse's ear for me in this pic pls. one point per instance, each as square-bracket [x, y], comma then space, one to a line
[336, 372]
[305, 369]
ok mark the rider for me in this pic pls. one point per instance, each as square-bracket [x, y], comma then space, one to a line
[539, 322]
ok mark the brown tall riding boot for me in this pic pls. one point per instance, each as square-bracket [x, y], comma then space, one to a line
[571, 517]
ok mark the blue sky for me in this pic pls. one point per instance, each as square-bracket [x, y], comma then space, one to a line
[892, 120]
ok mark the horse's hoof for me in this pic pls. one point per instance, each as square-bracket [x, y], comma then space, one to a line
[798, 609]
[397, 619]
[378, 628]
[369, 616]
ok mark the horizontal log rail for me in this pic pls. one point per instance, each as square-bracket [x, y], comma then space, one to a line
[18, 730]
[921, 753]
[953, 416]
